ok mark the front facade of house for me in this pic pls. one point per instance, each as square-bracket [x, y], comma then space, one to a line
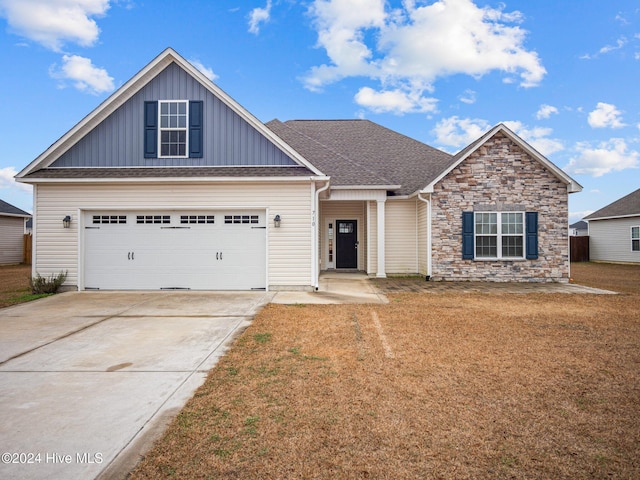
[614, 231]
[170, 184]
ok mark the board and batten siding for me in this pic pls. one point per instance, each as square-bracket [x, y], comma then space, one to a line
[11, 240]
[288, 247]
[401, 237]
[118, 141]
[610, 240]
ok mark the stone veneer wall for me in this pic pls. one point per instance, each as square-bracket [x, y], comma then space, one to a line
[500, 176]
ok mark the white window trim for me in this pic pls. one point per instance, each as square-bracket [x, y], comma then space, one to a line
[185, 129]
[500, 235]
[634, 238]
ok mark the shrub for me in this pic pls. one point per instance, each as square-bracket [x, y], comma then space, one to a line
[47, 284]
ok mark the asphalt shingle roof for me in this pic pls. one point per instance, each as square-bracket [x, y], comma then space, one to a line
[184, 172]
[360, 153]
[7, 208]
[627, 205]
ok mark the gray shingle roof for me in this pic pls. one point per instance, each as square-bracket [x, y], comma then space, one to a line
[360, 153]
[184, 172]
[627, 205]
[9, 209]
[581, 225]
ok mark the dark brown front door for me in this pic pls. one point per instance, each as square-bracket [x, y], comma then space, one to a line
[347, 244]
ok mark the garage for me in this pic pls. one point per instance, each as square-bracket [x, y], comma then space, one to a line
[174, 250]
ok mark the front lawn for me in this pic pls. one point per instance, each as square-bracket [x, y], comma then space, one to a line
[429, 386]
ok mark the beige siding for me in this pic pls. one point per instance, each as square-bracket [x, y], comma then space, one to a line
[610, 240]
[401, 238]
[423, 232]
[11, 240]
[343, 210]
[373, 238]
[288, 248]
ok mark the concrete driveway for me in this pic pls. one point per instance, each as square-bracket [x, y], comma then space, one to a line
[88, 379]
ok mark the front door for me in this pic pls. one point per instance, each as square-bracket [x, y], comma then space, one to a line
[347, 244]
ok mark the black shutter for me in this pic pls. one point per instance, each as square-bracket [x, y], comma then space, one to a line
[150, 129]
[467, 235]
[532, 235]
[195, 129]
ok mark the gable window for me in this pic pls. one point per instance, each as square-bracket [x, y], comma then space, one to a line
[499, 235]
[173, 129]
[635, 239]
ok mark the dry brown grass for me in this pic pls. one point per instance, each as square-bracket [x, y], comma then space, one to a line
[470, 386]
[619, 278]
[14, 284]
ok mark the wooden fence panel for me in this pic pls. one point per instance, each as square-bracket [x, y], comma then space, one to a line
[579, 248]
[26, 250]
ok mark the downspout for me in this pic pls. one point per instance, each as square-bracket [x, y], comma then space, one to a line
[315, 265]
[428, 202]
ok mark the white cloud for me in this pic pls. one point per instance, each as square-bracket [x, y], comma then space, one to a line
[52, 23]
[545, 111]
[605, 115]
[537, 137]
[468, 97]
[258, 16]
[621, 42]
[394, 101]
[8, 182]
[410, 47]
[459, 132]
[610, 156]
[208, 72]
[85, 76]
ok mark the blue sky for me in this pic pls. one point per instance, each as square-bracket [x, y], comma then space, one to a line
[563, 75]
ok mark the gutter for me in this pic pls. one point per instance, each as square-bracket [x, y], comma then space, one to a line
[428, 202]
[315, 232]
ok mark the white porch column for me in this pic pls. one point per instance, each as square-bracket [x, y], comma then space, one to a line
[381, 234]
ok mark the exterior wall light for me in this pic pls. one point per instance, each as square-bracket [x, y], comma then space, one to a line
[66, 222]
[276, 221]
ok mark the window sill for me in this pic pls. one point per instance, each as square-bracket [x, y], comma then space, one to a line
[495, 259]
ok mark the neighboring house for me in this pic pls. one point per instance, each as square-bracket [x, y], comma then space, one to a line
[170, 183]
[12, 230]
[614, 231]
[579, 229]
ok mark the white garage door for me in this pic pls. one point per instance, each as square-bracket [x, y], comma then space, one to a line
[175, 250]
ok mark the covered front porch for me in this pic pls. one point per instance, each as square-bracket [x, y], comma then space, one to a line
[367, 231]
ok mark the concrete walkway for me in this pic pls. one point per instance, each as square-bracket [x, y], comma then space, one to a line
[336, 288]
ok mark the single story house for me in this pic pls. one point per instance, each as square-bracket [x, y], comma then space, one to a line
[12, 230]
[614, 231]
[579, 229]
[171, 184]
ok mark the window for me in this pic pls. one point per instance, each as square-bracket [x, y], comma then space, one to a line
[153, 219]
[230, 219]
[173, 128]
[635, 239]
[104, 219]
[499, 235]
[197, 219]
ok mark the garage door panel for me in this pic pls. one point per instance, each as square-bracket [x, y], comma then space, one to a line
[167, 250]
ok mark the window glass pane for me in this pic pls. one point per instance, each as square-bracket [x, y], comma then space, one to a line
[635, 232]
[164, 108]
[512, 247]
[486, 246]
[173, 108]
[486, 224]
[512, 224]
[182, 108]
[182, 122]
[635, 245]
